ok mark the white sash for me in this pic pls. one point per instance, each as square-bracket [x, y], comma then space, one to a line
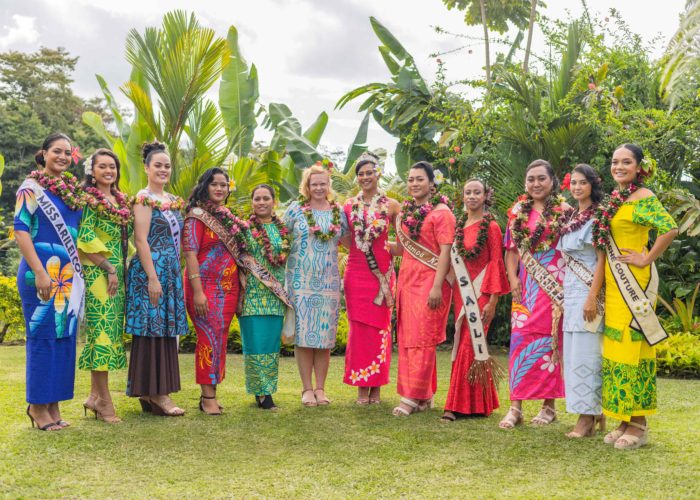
[585, 276]
[470, 291]
[174, 229]
[75, 302]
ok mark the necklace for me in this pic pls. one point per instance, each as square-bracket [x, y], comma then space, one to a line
[368, 226]
[481, 237]
[65, 187]
[259, 232]
[604, 214]
[413, 215]
[226, 218]
[314, 228]
[117, 212]
[578, 220]
[148, 200]
[550, 218]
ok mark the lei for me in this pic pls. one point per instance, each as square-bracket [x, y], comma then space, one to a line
[65, 187]
[259, 233]
[481, 237]
[577, 220]
[551, 218]
[147, 201]
[604, 214]
[413, 215]
[333, 228]
[118, 213]
[226, 218]
[368, 227]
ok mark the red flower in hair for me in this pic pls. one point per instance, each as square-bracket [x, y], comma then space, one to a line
[566, 183]
[75, 155]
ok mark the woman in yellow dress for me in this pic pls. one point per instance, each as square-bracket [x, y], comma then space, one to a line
[629, 360]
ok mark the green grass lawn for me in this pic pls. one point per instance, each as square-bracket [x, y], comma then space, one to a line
[337, 451]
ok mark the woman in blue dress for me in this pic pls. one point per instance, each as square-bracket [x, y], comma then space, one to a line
[155, 311]
[47, 215]
[313, 280]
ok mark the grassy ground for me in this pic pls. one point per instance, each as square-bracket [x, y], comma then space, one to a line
[337, 451]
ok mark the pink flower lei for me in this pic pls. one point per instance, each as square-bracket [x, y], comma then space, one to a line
[260, 235]
[118, 213]
[368, 226]
[233, 224]
[65, 187]
[413, 215]
[147, 201]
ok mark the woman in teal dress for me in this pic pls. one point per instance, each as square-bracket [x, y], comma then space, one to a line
[262, 314]
[49, 282]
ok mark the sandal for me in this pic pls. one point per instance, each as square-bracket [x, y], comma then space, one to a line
[376, 399]
[613, 436]
[201, 406]
[399, 411]
[163, 406]
[265, 402]
[104, 410]
[428, 404]
[362, 401]
[630, 441]
[322, 401]
[448, 417]
[546, 416]
[598, 420]
[513, 417]
[308, 402]
[51, 426]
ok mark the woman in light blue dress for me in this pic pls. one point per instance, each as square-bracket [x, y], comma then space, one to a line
[582, 348]
[313, 282]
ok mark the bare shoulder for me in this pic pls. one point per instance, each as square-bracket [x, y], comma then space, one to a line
[640, 194]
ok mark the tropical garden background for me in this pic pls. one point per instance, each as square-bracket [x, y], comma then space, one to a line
[597, 86]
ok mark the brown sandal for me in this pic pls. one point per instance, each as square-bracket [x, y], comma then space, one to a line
[513, 418]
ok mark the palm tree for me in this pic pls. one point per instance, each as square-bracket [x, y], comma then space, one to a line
[530, 29]
[682, 65]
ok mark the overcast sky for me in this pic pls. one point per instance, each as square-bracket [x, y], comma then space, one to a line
[308, 52]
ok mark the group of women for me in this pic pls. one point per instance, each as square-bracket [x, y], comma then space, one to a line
[582, 281]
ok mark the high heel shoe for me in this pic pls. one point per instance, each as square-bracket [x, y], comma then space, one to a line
[47, 427]
[201, 406]
[107, 414]
[89, 404]
[163, 406]
[146, 406]
[630, 441]
[597, 421]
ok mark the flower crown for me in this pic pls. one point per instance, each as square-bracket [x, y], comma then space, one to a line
[326, 164]
[368, 157]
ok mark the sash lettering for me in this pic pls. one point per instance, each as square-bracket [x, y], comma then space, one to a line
[419, 252]
[584, 274]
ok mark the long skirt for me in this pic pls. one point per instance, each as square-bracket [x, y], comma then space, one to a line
[629, 377]
[212, 338]
[367, 356]
[417, 372]
[50, 369]
[532, 371]
[463, 397]
[260, 336]
[153, 367]
[582, 378]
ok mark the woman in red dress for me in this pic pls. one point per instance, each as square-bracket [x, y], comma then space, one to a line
[479, 243]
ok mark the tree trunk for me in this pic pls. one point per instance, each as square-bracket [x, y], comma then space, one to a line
[531, 28]
[482, 4]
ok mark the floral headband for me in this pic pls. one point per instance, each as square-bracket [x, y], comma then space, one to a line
[326, 164]
[368, 157]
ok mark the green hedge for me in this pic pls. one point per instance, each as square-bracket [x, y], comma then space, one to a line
[11, 316]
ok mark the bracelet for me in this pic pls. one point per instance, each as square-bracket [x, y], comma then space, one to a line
[112, 271]
[193, 276]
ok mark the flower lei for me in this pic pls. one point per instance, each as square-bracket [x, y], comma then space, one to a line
[413, 215]
[551, 218]
[577, 220]
[333, 228]
[368, 227]
[481, 237]
[65, 187]
[147, 201]
[228, 219]
[604, 214]
[259, 233]
[118, 213]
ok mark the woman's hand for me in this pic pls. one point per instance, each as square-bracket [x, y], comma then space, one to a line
[488, 313]
[154, 291]
[201, 306]
[43, 285]
[435, 297]
[636, 259]
[515, 288]
[112, 284]
[590, 308]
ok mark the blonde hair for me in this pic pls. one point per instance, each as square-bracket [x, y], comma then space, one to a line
[306, 178]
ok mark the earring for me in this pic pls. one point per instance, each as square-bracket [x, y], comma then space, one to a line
[94, 181]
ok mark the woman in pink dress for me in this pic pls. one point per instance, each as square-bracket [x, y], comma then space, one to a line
[369, 284]
[480, 246]
[424, 293]
[535, 343]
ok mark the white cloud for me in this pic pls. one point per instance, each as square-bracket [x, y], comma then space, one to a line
[23, 31]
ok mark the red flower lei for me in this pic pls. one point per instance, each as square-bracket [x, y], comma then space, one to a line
[333, 228]
[578, 220]
[604, 214]
[229, 220]
[551, 218]
[481, 237]
[413, 215]
[368, 227]
[260, 234]
[65, 187]
[118, 213]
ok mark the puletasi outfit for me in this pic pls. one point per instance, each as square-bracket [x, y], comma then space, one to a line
[219, 277]
[368, 351]
[582, 349]
[532, 373]
[419, 328]
[313, 279]
[104, 315]
[51, 332]
[153, 366]
[629, 362]
[261, 321]
[463, 397]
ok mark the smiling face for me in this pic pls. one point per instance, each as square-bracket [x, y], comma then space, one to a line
[474, 196]
[624, 167]
[218, 189]
[104, 170]
[580, 187]
[263, 203]
[367, 177]
[57, 158]
[418, 183]
[159, 170]
[538, 183]
[319, 185]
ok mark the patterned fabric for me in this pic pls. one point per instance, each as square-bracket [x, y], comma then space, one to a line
[629, 367]
[259, 299]
[104, 315]
[169, 317]
[367, 355]
[312, 279]
[532, 373]
[219, 277]
[260, 336]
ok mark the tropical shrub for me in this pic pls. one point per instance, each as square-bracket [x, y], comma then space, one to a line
[11, 316]
[679, 356]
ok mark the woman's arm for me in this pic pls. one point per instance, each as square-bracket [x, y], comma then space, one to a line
[103, 263]
[645, 259]
[142, 224]
[41, 277]
[512, 262]
[590, 308]
[443, 267]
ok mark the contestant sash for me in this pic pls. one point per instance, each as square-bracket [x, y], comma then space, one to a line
[585, 275]
[640, 302]
[75, 301]
[174, 229]
[420, 252]
[384, 292]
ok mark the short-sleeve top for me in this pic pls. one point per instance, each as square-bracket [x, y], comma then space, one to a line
[260, 300]
[99, 234]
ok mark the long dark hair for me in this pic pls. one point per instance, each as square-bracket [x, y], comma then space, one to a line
[200, 193]
[48, 142]
[89, 179]
[593, 179]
